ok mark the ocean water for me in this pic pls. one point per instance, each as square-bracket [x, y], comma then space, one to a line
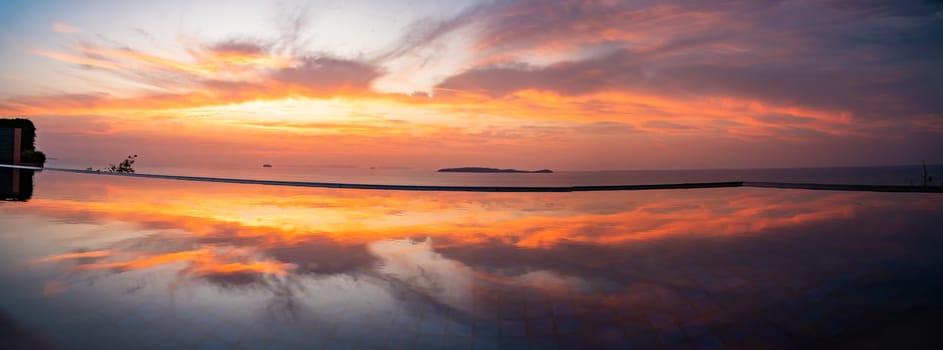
[911, 175]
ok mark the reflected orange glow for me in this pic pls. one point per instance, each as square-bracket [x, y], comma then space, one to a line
[235, 226]
[53, 287]
[199, 262]
[683, 254]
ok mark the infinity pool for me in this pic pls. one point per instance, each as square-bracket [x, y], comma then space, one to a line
[104, 262]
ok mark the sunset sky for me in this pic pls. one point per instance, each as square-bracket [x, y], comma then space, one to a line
[569, 85]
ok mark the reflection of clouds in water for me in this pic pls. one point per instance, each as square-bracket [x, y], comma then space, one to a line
[416, 265]
[570, 238]
[284, 218]
[553, 282]
[714, 255]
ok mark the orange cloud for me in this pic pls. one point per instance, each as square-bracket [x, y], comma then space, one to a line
[669, 75]
[64, 27]
[210, 64]
[85, 61]
[78, 255]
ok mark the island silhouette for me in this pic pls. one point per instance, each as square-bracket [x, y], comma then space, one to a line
[492, 170]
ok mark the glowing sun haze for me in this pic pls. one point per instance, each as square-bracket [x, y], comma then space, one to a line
[530, 84]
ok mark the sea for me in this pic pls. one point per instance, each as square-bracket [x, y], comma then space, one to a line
[900, 175]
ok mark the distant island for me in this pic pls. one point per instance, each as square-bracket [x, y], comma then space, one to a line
[492, 170]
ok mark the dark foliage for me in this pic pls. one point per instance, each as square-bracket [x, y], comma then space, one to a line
[33, 157]
[29, 131]
[125, 167]
[927, 179]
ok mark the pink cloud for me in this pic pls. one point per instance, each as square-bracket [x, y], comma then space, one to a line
[64, 27]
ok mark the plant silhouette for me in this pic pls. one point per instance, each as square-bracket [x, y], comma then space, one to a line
[125, 167]
[927, 179]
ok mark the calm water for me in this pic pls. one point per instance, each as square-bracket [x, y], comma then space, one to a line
[103, 262]
[890, 175]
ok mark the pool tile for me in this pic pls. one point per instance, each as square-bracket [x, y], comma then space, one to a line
[513, 328]
[349, 331]
[432, 326]
[695, 328]
[229, 333]
[571, 341]
[670, 335]
[376, 338]
[567, 325]
[429, 341]
[513, 343]
[332, 343]
[563, 309]
[253, 342]
[295, 335]
[512, 312]
[457, 328]
[643, 341]
[487, 328]
[486, 343]
[543, 343]
[401, 340]
[187, 334]
[542, 310]
[540, 327]
[275, 345]
[458, 342]
[660, 319]
[213, 343]
[708, 342]
[405, 322]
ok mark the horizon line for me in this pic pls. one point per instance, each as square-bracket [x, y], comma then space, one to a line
[517, 189]
[400, 167]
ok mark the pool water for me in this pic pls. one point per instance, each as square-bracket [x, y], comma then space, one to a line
[105, 262]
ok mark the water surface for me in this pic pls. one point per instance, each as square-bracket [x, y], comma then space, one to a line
[910, 175]
[111, 262]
